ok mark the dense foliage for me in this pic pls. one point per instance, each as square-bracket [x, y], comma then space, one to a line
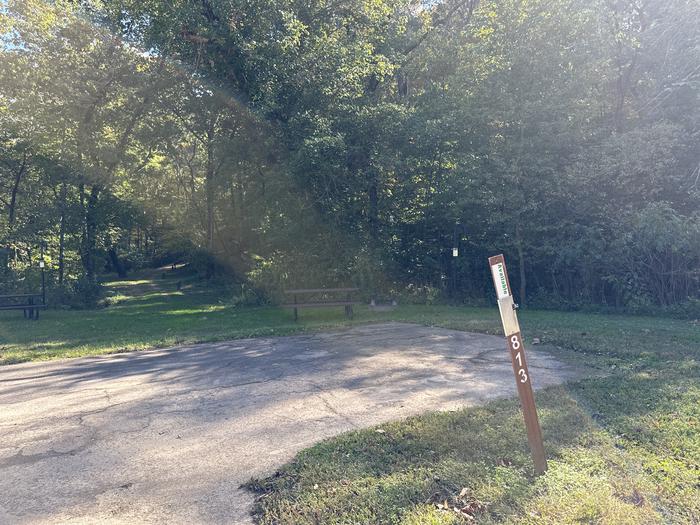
[317, 142]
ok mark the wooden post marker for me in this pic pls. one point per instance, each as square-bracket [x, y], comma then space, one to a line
[511, 329]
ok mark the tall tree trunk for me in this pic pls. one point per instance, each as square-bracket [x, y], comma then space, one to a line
[15, 190]
[241, 236]
[89, 244]
[62, 235]
[373, 194]
[117, 264]
[521, 263]
[625, 67]
[209, 183]
[210, 208]
[233, 199]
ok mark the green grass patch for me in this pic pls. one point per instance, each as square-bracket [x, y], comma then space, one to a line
[152, 313]
[143, 313]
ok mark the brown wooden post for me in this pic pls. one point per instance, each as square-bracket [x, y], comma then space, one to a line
[511, 328]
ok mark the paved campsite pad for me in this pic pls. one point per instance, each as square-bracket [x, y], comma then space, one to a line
[168, 436]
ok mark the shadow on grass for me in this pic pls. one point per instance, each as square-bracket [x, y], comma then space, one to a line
[377, 475]
[612, 438]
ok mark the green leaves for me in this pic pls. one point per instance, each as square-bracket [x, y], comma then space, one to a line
[268, 130]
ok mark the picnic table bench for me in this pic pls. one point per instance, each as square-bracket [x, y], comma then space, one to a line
[322, 298]
[30, 303]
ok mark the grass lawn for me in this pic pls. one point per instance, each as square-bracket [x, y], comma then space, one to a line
[622, 448]
[149, 312]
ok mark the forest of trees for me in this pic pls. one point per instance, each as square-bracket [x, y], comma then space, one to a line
[318, 142]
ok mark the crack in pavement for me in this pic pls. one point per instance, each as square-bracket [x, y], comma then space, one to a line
[330, 407]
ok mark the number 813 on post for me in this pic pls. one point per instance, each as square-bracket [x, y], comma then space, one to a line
[516, 349]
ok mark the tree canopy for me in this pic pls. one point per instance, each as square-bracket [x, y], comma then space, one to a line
[289, 142]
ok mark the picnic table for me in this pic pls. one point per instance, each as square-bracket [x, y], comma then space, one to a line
[321, 298]
[30, 303]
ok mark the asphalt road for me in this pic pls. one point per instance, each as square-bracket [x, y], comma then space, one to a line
[168, 436]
